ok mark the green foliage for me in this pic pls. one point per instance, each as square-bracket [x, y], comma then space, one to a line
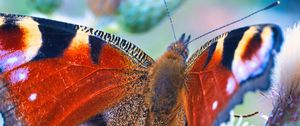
[45, 6]
[15, 6]
[141, 15]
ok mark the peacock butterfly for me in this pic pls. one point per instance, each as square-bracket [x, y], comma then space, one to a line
[55, 73]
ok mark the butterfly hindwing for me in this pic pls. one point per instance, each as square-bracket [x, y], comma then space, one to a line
[223, 69]
[55, 73]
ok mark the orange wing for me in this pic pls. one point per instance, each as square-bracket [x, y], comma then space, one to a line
[55, 73]
[225, 68]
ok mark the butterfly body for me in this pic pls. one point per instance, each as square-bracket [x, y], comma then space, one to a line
[55, 73]
[167, 77]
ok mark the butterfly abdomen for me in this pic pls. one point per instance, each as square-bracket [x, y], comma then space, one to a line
[166, 81]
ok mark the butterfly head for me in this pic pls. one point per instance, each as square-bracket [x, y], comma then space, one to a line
[180, 46]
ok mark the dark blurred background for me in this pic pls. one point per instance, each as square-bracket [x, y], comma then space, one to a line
[144, 23]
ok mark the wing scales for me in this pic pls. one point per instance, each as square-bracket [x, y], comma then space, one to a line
[227, 67]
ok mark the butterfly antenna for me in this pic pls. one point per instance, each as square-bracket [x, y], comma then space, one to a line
[171, 21]
[265, 8]
[246, 116]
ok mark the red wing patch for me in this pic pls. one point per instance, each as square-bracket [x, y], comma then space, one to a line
[223, 70]
[54, 75]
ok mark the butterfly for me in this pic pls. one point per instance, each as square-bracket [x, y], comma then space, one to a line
[55, 73]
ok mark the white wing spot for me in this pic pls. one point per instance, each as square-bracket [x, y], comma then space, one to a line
[230, 86]
[22, 76]
[19, 75]
[32, 97]
[214, 105]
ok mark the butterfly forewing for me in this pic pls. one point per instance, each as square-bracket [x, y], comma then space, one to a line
[55, 73]
[222, 70]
